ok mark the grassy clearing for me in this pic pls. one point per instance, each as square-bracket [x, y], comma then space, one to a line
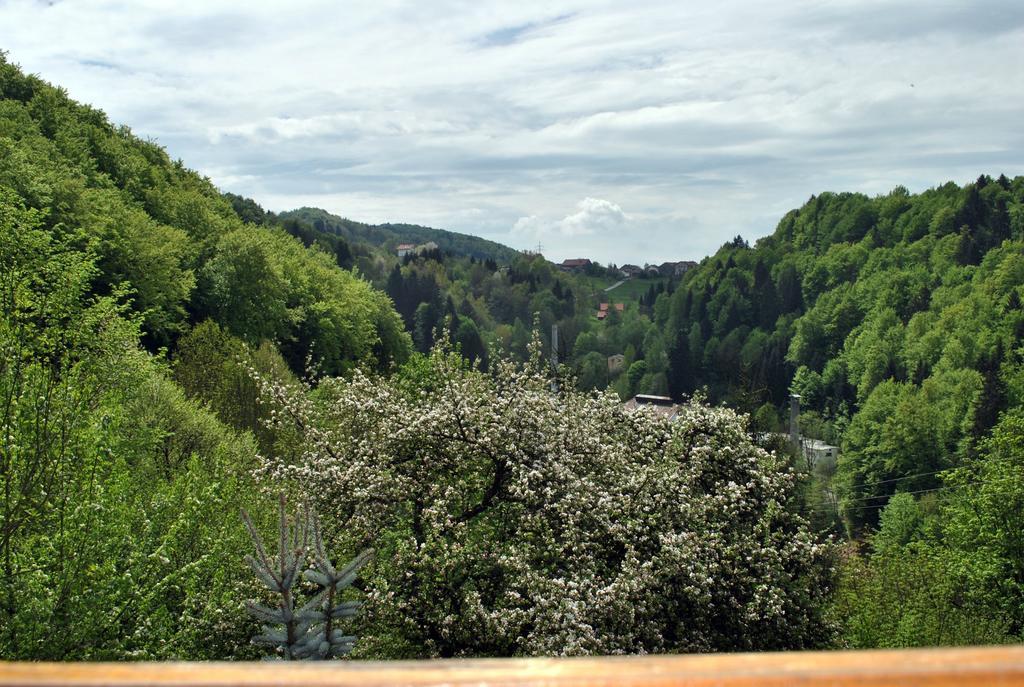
[632, 290]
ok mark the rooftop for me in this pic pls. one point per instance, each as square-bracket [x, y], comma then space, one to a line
[662, 405]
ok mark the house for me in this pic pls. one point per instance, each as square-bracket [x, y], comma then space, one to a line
[615, 362]
[403, 249]
[817, 452]
[662, 405]
[603, 307]
[814, 451]
[684, 266]
[601, 314]
[675, 269]
[631, 270]
[574, 264]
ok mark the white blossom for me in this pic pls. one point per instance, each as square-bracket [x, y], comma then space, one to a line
[510, 519]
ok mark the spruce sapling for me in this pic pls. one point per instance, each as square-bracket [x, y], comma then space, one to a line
[309, 630]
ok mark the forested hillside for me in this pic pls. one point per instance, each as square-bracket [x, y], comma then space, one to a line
[169, 246]
[134, 302]
[898, 321]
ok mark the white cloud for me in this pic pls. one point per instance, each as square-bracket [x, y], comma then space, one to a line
[592, 216]
[351, 124]
[531, 227]
[711, 120]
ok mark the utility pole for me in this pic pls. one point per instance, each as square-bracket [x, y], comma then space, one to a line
[794, 421]
[554, 356]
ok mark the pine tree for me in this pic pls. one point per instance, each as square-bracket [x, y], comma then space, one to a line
[992, 400]
[680, 376]
[309, 630]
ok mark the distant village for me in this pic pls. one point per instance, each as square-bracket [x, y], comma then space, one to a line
[628, 271]
[665, 269]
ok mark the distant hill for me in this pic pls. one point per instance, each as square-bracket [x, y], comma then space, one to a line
[384, 234]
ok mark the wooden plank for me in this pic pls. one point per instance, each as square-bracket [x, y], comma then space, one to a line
[993, 666]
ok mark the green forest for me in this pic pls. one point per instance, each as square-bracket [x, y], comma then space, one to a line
[172, 354]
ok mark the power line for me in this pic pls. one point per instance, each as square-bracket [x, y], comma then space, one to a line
[913, 493]
[987, 461]
[839, 507]
[898, 479]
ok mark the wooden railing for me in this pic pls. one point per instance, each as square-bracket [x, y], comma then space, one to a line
[993, 666]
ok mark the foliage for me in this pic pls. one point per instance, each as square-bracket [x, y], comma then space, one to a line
[167, 243]
[112, 538]
[309, 629]
[893, 317]
[264, 285]
[513, 520]
[913, 596]
[947, 571]
[114, 535]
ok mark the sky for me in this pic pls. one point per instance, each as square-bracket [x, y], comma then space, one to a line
[638, 131]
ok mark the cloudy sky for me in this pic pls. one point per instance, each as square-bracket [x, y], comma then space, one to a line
[620, 131]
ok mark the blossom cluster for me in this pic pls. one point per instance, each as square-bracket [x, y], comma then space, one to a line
[513, 515]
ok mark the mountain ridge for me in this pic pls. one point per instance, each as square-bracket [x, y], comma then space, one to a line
[468, 245]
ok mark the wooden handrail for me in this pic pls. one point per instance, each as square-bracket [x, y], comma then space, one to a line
[992, 666]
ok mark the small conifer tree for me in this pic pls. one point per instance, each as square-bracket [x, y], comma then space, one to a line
[309, 630]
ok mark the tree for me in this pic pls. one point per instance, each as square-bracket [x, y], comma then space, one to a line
[425, 323]
[514, 520]
[788, 286]
[680, 375]
[592, 373]
[992, 400]
[147, 258]
[634, 374]
[262, 284]
[212, 367]
[984, 520]
[247, 289]
[310, 628]
[951, 571]
[467, 338]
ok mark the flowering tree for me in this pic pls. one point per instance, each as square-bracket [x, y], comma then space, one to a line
[510, 519]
